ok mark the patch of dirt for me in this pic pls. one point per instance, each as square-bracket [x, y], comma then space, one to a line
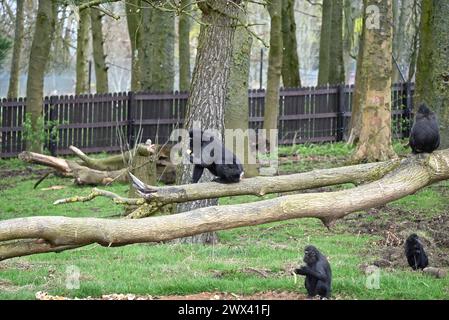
[5, 284]
[24, 266]
[6, 173]
[394, 227]
[271, 295]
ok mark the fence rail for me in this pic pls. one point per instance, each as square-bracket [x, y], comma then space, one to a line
[100, 122]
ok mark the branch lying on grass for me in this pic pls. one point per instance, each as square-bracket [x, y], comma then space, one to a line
[412, 174]
[158, 197]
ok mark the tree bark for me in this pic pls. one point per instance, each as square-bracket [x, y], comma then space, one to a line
[348, 36]
[67, 39]
[373, 88]
[134, 20]
[157, 69]
[39, 53]
[290, 62]
[336, 63]
[101, 70]
[237, 112]
[432, 76]
[274, 66]
[59, 233]
[184, 46]
[82, 42]
[360, 77]
[13, 90]
[325, 39]
[5, 45]
[400, 11]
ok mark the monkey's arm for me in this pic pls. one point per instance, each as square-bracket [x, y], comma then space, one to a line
[307, 271]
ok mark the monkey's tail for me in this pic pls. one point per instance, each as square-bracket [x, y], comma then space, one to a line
[41, 179]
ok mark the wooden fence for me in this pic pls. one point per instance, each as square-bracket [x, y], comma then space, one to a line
[101, 122]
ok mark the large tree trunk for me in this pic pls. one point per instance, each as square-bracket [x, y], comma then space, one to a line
[348, 35]
[134, 20]
[237, 112]
[274, 66]
[325, 39]
[82, 42]
[290, 61]
[357, 96]
[157, 69]
[336, 63]
[184, 47]
[67, 38]
[40, 50]
[13, 90]
[209, 86]
[101, 70]
[432, 76]
[400, 11]
[24, 236]
[373, 85]
[413, 57]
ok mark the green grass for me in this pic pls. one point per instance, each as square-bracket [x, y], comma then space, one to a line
[337, 149]
[165, 269]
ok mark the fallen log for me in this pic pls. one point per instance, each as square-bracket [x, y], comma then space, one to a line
[68, 168]
[103, 171]
[157, 197]
[413, 174]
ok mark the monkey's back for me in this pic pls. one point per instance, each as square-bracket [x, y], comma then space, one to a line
[425, 136]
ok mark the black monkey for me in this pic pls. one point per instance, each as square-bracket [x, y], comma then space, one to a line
[425, 135]
[318, 273]
[214, 156]
[414, 251]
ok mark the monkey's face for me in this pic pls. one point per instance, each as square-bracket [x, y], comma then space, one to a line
[424, 110]
[310, 255]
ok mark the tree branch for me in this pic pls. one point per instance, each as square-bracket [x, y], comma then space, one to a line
[94, 3]
[96, 193]
[157, 197]
[260, 186]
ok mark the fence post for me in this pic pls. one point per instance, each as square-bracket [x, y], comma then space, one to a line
[53, 141]
[340, 111]
[130, 120]
[407, 110]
